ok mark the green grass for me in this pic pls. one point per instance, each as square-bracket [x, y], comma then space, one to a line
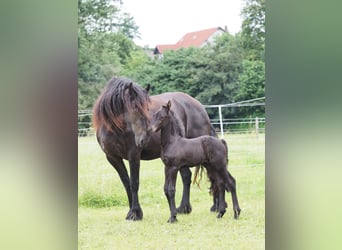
[103, 204]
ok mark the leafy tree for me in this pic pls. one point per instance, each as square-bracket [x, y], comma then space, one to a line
[105, 16]
[251, 81]
[253, 29]
[210, 74]
[174, 72]
[229, 70]
[252, 85]
[104, 45]
[218, 78]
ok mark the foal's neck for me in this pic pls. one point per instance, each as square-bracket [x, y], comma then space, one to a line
[170, 132]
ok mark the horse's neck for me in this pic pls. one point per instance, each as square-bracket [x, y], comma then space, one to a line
[169, 133]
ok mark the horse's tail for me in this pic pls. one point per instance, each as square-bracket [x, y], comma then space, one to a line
[198, 169]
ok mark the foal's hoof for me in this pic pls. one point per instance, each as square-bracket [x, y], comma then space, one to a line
[237, 213]
[134, 215]
[172, 219]
[214, 208]
[184, 209]
[220, 214]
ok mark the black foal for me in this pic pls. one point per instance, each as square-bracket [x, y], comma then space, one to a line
[178, 152]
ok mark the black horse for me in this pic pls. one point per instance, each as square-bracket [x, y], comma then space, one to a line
[178, 152]
[121, 117]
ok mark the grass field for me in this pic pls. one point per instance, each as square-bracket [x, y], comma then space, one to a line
[103, 204]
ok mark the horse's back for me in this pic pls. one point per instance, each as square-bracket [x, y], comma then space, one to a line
[190, 111]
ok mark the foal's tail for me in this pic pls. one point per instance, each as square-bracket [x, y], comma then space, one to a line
[225, 145]
[212, 131]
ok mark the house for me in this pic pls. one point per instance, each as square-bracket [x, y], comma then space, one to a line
[193, 39]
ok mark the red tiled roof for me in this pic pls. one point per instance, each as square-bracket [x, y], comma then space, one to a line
[162, 48]
[195, 39]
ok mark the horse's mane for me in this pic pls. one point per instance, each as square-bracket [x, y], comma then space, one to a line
[119, 95]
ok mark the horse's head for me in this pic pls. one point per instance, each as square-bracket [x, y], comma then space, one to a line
[123, 107]
[161, 117]
[137, 115]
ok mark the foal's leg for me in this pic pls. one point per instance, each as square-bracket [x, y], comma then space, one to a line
[214, 207]
[222, 201]
[232, 188]
[170, 190]
[213, 188]
[185, 206]
[215, 193]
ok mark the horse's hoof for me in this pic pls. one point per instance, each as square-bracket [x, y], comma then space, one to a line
[172, 219]
[134, 215]
[237, 213]
[184, 209]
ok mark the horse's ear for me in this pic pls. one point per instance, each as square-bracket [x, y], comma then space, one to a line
[130, 88]
[148, 87]
[168, 106]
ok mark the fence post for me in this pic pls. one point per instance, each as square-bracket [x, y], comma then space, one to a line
[221, 122]
[257, 126]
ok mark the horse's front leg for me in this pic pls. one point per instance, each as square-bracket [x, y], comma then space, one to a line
[170, 191]
[135, 212]
[185, 206]
[120, 167]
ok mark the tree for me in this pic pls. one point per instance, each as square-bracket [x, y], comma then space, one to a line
[105, 44]
[252, 85]
[105, 16]
[210, 74]
[253, 29]
[218, 78]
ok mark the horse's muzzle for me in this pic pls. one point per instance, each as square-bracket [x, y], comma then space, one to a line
[142, 141]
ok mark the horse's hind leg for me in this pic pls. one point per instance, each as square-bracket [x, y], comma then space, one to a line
[185, 206]
[231, 186]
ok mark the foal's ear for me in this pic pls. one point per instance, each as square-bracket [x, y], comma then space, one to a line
[148, 87]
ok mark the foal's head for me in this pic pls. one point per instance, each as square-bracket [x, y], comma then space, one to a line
[161, 117]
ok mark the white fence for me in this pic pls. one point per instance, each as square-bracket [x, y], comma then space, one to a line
[222, 124]
[235, 125]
